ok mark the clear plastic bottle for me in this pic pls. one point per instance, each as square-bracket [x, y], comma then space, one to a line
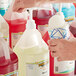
[32, 52]
[8, 60]
[4, 5]
[17, 24]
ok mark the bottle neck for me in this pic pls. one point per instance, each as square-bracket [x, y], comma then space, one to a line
[31, 24]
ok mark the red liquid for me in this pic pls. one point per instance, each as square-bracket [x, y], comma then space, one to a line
[3, 62]
[42, 17]
[7, 66]
[73, 30]
[16, 26]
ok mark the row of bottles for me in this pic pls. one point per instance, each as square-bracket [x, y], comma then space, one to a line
[30, 46]
[41, 17]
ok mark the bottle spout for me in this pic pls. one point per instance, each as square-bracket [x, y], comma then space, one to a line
[30, 23]
[60, 7]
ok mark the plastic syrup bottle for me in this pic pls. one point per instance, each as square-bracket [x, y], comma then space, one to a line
[17, 25]
[8, 60]
[42, 16]
[4, 5]
[32, 52]
[4, 29]
[68, 10]
[58, 29]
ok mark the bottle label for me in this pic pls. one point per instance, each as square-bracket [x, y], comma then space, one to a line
[15, 37]
[69, 19]
[6, 38]
[38, 69]
[15, 73]
[59, 33]
[63, 67]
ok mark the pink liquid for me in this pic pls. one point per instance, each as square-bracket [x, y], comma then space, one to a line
[7, 66]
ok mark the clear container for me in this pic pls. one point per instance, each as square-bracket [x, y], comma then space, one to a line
[8, 60]
[32, 52]
[17, 25]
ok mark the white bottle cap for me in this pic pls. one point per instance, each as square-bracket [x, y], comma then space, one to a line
[56, 21]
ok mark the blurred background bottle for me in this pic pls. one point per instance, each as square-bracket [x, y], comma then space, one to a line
[68, 10]
[4, 5]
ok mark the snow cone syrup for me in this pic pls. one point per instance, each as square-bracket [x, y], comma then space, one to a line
[58, 29]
